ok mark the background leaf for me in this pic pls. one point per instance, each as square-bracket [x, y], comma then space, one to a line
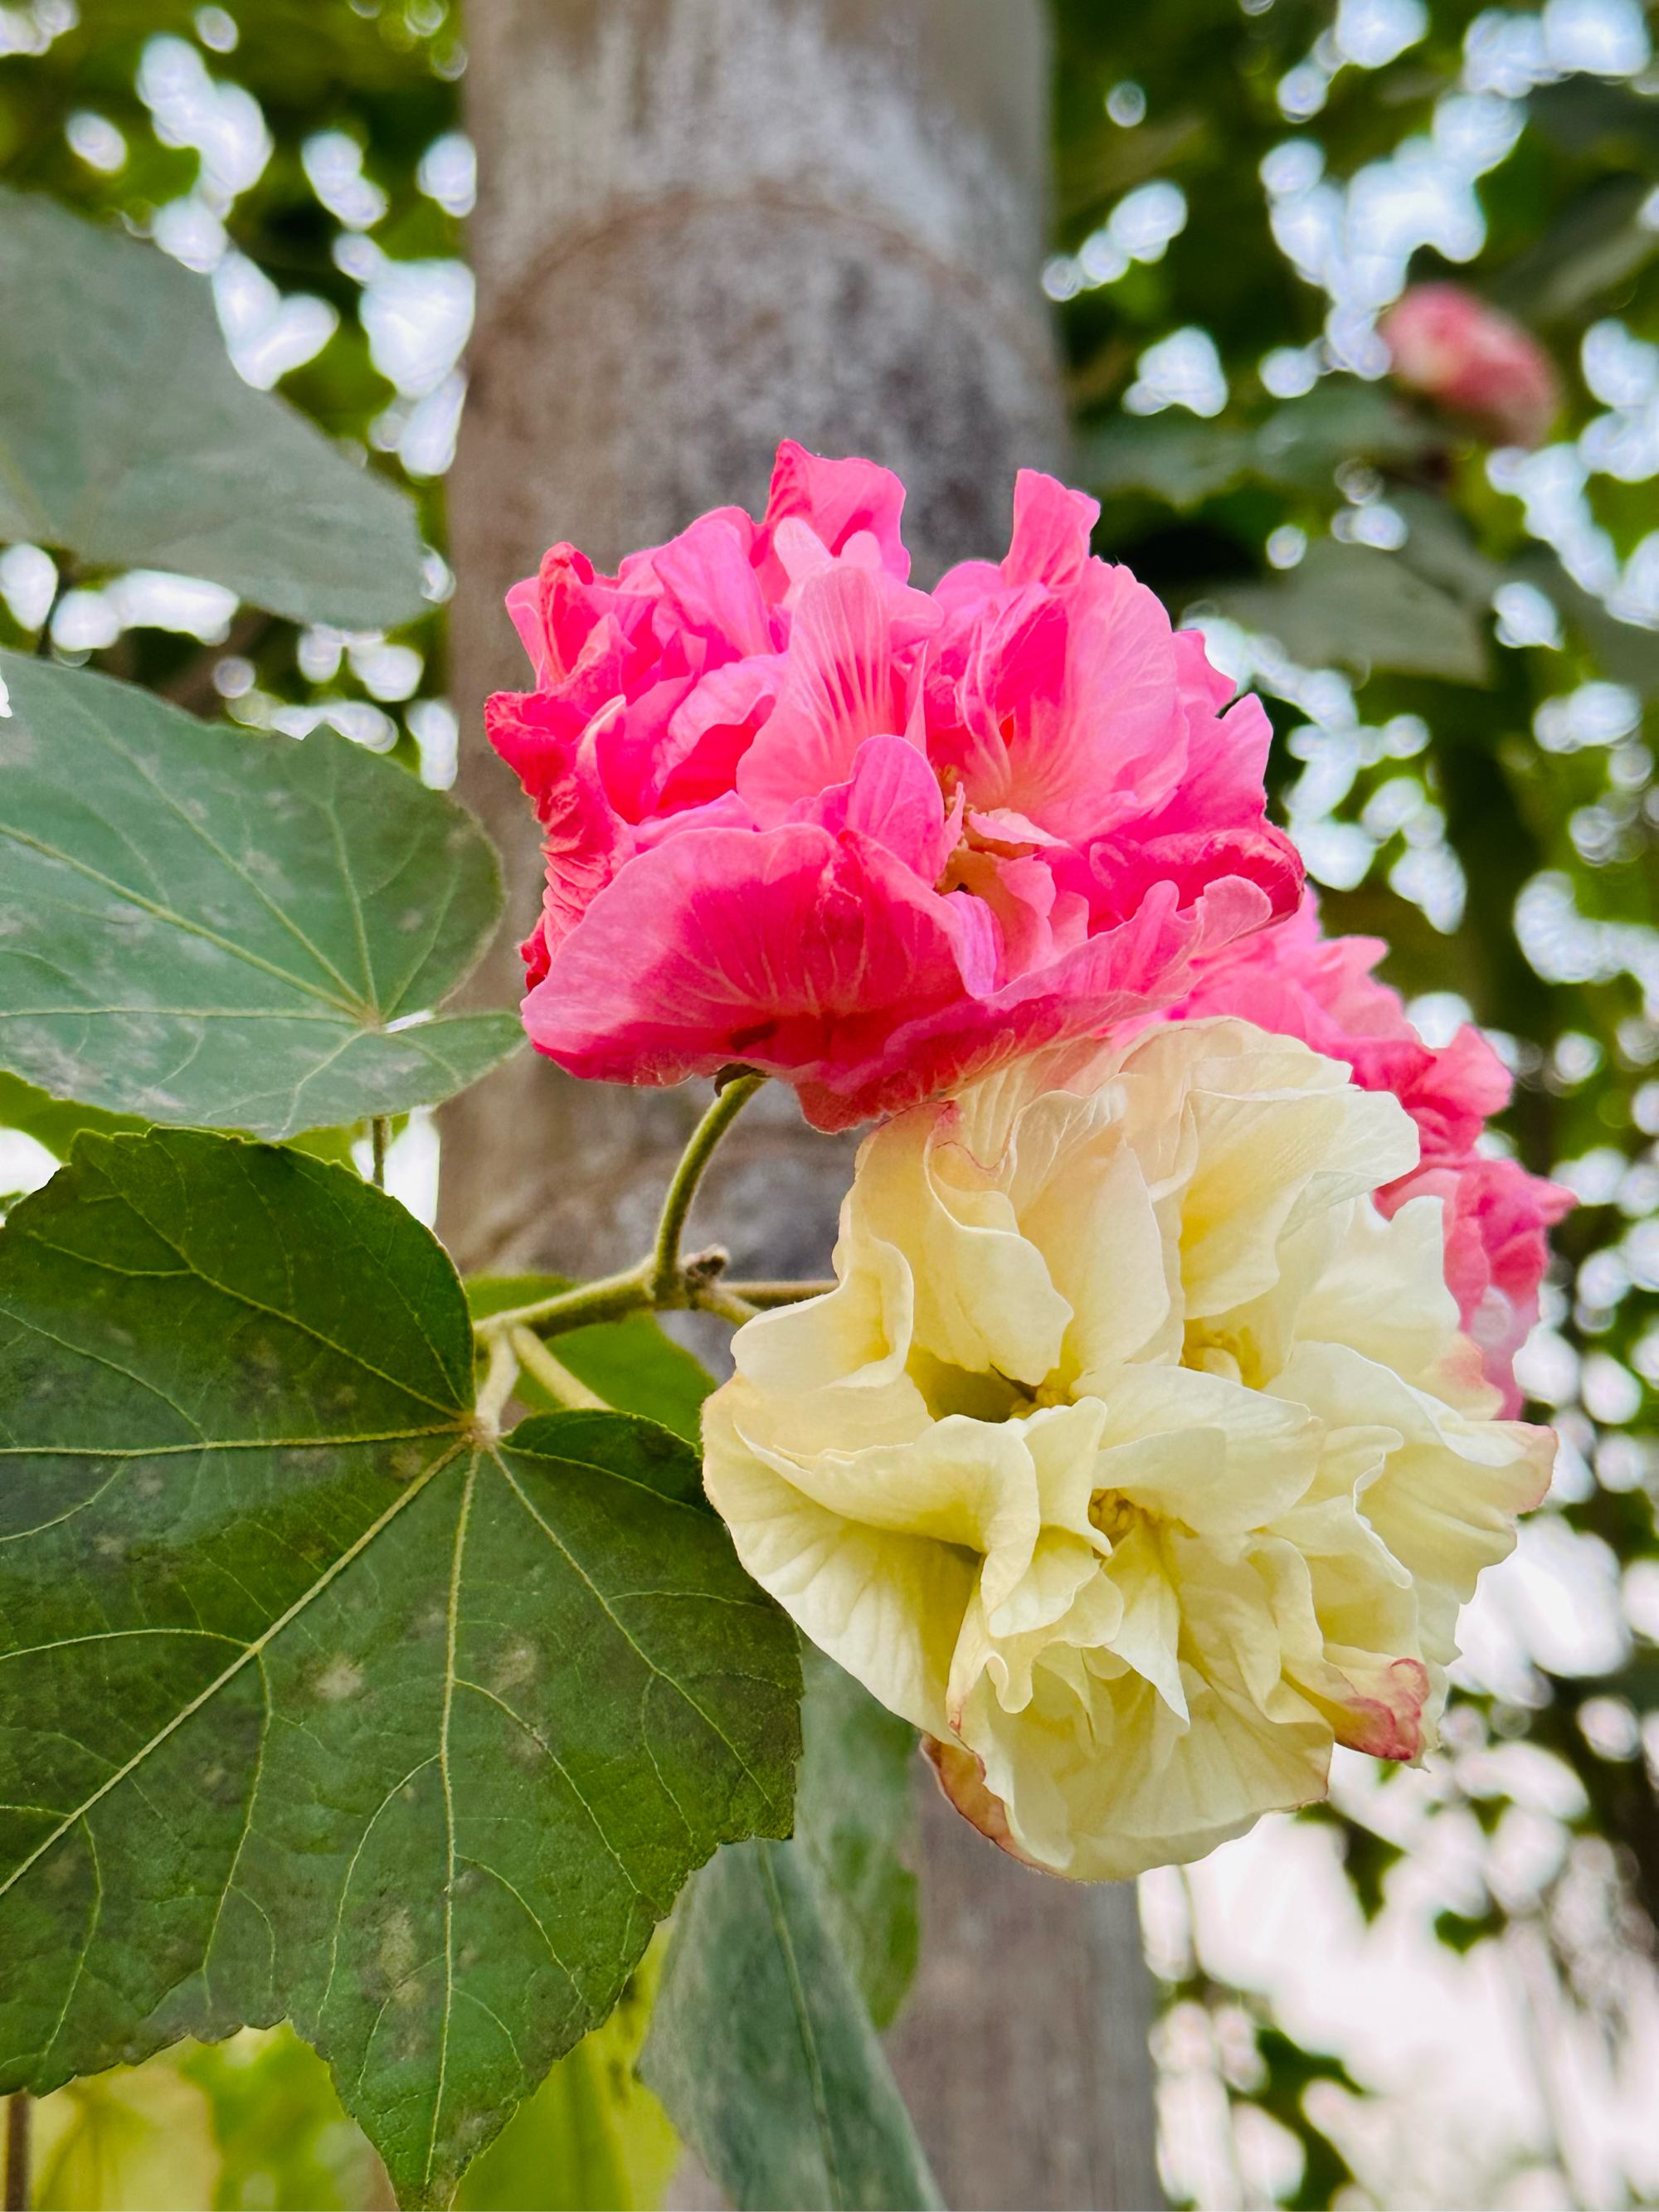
[632, 1364]
[409, 1738]
[204, 927]
[762, 2046]
[128, 439]
[855, 1817]
[763, 2054]
[1298, 447]
[1361, 608]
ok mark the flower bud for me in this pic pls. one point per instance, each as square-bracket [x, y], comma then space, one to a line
[1475, 361]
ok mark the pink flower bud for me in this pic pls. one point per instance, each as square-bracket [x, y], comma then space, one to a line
[1475, 361]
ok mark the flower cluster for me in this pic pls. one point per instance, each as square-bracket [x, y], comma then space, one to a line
[1157, 1428]
[871, 839]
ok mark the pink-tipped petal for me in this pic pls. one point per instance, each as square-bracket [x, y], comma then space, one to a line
[839, 500]
[1050, 542]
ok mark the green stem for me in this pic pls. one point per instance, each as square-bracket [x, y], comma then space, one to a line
[668, 1281]
[764, 1295]
[608, 1299]
[379, 1129]
[663, 1283]
[554, 1377]
[19, 2114]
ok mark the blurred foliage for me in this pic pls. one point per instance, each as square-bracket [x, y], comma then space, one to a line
[388, 76]
[1191, 505]
[254, 2125]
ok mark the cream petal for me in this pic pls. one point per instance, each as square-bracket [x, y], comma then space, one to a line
[1384, 1293]
[862, 1327]
[983, 1298]
[1198, 1449]
[967, 1483]
[1063, 1442]
[1107, 1252]
[886, 1607]
[1445, 1502]
[1148, 1638]
[1267, 1163]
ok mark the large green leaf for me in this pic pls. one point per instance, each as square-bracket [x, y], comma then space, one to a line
[630, 1363]
[1363, 609]
[322, 1702]
[128, 441]
[201, 925]
[761, 2045]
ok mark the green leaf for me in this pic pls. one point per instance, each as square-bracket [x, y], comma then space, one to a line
[855, 1818]
[763, 2055]
[128, 439]
[1363, 610]
[56, 1122]
[630, 1363]
[320, 1702]
[1299, 445]
[199, 925]
[592, 2138]
[784, 1959]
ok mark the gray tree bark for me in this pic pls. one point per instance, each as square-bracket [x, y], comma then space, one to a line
[704, 226]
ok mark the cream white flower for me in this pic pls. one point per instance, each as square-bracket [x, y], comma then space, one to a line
[1136, 1458]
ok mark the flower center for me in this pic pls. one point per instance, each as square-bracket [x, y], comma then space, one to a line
[1115, 1516]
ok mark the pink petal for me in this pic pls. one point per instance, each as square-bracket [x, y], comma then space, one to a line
[1110, 741]
[710, 588]
[840, 689]
[835, 499]
[893, 798]
[1050, 543]
[787, 947]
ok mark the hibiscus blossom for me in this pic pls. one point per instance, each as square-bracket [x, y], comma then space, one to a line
[1137, 1457]
[870, 839]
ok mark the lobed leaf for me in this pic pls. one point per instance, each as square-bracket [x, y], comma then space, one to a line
[320, 1702]
[199, 925]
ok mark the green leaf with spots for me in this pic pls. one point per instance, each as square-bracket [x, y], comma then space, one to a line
[322, 1702]
[631, 1364]
[198, 925]
[783, 1961]
[128, 441]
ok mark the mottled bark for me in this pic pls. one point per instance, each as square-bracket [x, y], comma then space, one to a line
[704, 226]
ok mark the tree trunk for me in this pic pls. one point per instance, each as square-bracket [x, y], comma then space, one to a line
[704, 226]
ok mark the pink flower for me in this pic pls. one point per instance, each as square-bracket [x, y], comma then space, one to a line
[1475, 361]
[1496, 1216]
[871, 839]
